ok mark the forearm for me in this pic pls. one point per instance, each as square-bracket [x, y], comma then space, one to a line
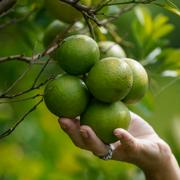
[170, 171]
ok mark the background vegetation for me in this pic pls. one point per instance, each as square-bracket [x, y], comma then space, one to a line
[38, 149]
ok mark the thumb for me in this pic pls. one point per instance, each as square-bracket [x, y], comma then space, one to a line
[126, 139]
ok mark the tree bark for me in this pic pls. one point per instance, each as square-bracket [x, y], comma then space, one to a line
[5, 5]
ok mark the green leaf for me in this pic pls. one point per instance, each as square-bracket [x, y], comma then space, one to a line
[170, 6]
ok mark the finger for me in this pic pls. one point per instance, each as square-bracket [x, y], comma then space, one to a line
[127, 141]
[92, 142]
[72, 127]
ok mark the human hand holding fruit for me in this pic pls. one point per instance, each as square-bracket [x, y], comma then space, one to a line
[139, 145]
[99, 102]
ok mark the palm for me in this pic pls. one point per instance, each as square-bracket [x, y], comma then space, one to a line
[145, 141]
[140, 129]
[138, 143]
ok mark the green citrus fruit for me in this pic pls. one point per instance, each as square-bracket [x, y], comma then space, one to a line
[77, 54]
[64, 11]
[140, 81]
[54, 29]
[111, 49]
[66, 96]
[110, 79]
[103, 118]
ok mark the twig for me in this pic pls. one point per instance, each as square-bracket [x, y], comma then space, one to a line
[121, 11]
[23, 99]
[15, 20]
[6, 13]
[6, 5]
[46, 52]
[22, 58]
[85, 10]
[17, 80]
[101, 5]
[40, 72]
[91, 30]
[33, 59]
[4, 96]
[19, 57]
[10, 130]
[91, 12]
[129, 2]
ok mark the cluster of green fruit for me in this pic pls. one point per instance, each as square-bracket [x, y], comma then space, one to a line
[93, 88]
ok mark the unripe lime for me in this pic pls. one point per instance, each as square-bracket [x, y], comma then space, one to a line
[110, 79]
[111, 49]
[103, 118]
[64, 11]
[55, 28]
[77, 54]
[140, 81]
[66, 96]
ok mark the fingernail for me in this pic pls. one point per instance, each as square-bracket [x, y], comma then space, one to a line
[117, 132]
[84, 134]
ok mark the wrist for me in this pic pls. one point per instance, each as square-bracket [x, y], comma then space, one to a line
[166, 169]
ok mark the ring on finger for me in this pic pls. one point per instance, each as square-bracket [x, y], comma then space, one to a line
[109, 154]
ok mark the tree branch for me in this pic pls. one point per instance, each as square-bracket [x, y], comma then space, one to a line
[23, 99]
[53, 46]
[91, 12]
[10, 130]
[17, 80]
[130, 2]
[33, 60]
[89, 26]
[19, 57]
[5, 96]
[5, 5]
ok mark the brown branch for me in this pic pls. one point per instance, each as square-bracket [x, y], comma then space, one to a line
[53, 46]
[26, 59]
[6, 13]
[23, 99]
[101, 5]
[16, 20]
[121, 11]
[6, 5]
[17, 80]
[5, 96]
[131, 2]
[90, 12]
[57, 42]
[91, 30]
[33, 60]
[10, 130]
[85, 10]
[19, 57]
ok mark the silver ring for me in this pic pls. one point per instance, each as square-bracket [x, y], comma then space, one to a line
[109, 154]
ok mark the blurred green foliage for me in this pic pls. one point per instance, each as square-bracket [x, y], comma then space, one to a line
[38, 149]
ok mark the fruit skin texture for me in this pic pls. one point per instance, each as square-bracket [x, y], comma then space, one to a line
[140, 82]
[54, 28]
[63, 11]
[77, 54]
[110, 79]
[103, 118]
[111, 49]
[66, 96]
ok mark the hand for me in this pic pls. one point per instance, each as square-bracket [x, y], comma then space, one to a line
[139, 145]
